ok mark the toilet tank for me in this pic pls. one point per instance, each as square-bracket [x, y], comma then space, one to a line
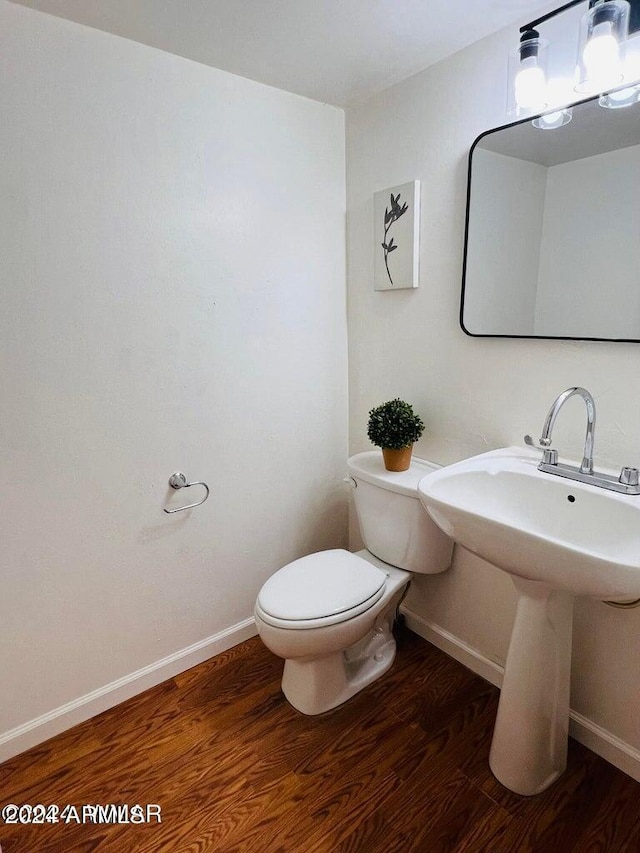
[394, 525]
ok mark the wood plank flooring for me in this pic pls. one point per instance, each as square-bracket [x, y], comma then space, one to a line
[401, 767]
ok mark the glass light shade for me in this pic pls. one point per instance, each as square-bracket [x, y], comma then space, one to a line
[528, 77]
[553, 120]
[603, 30]
[631, 59]
[620, 98]
[629, 93]
[529, 85]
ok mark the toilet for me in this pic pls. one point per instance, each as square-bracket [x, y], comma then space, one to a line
[330, 614]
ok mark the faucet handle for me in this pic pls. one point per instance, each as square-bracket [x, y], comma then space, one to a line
[549, 456]
[544, 442]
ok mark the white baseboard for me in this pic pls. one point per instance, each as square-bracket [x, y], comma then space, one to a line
[594, 737]
[603, 743]
[78, 710]
[454, 647]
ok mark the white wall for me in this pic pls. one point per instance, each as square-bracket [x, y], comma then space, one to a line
[173, 298]
[477, 394]
[503, 248]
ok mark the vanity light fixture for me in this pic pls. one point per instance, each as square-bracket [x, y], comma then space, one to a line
[603, 31]
[529, 69]
[627, 95]
[608, 63]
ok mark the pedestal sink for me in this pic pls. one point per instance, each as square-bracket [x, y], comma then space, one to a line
[557, 539]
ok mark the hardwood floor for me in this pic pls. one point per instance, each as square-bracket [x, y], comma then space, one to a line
[401, 767]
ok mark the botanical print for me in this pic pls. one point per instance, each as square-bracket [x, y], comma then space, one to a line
[390, 216]
[396, 229]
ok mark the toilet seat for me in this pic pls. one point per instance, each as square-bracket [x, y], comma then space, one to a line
[319, 590]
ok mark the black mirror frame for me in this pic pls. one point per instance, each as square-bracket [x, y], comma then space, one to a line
[466, 241]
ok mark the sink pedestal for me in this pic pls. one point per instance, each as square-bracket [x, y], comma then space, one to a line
[557, 538]
[529, 747]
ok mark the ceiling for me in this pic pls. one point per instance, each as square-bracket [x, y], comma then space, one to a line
[335, 51]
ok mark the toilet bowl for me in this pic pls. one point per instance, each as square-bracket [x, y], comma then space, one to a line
[330, 614]
[330, 658]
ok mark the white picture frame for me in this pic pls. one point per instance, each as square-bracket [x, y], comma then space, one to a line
[396, 234]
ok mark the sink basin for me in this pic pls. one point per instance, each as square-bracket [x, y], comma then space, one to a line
[556, 538]
[577, 537]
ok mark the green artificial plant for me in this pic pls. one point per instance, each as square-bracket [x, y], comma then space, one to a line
[394, 424]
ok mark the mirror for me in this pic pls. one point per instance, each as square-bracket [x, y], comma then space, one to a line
[552, 244]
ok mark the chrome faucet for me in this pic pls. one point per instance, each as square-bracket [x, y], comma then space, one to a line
[586, 466]
[629, 480]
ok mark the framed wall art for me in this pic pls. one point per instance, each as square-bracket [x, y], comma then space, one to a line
[396, 234]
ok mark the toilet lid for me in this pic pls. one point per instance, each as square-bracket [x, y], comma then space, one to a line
[322, 584]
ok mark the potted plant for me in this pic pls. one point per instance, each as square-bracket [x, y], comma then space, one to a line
[394, 427]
